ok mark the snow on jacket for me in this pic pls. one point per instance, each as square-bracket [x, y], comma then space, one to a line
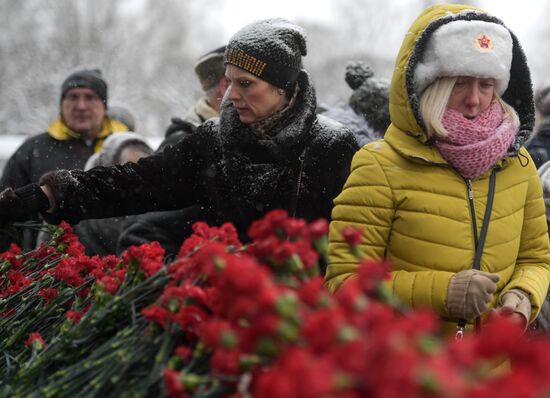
[170, 228]
[225, 166]
[415, 208]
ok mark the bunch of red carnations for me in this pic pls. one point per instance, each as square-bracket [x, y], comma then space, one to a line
[59, 307]
[255, 320]
[231, 320]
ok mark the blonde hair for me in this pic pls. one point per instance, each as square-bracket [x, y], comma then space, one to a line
[433, 103]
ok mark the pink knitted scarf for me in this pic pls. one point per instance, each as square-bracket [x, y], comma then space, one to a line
[473, 146]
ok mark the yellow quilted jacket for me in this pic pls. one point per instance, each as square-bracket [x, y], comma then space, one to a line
[416, 210]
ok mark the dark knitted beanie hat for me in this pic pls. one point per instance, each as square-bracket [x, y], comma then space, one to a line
[370, 96]
[88, 78]
[271, 49]
[210, 68]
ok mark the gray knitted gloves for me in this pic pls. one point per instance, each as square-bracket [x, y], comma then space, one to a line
[470, 293]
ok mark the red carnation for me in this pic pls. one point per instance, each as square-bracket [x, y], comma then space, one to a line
[318, 229]
[174, 385]
[35, 341]
[75, 316]
[352, 235]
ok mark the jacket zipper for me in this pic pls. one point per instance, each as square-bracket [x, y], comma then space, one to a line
[461, 325]
[472, 210]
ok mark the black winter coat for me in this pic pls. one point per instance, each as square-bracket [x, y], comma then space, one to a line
[42, 153]
[225, 166]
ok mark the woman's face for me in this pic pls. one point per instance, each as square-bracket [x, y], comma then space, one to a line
[471, 95]
[253, 98]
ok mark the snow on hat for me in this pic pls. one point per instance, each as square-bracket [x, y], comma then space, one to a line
[88, 78]
[210, 68]
[466, 48]
[270, 49]
[370, 96]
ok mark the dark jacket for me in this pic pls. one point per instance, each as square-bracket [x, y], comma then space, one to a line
[169, 228]
[42, 153]
[539, 145]
[226, 167]
[177, 129]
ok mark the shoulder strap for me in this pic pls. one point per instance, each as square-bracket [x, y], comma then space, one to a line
[480, 244]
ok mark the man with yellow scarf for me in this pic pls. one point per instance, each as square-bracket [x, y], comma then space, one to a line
[76, 134]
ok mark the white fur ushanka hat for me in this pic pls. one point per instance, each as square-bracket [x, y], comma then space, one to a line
[466, 48]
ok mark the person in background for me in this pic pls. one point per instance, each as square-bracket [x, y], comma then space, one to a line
[268, 150]
[539, 145]
[542, 323]
[367, 112]
[210, 71]
[450, 196]
[100, 236]
[78, 132]
[122, 114]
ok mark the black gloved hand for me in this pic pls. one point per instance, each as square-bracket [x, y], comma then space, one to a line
[20, 204]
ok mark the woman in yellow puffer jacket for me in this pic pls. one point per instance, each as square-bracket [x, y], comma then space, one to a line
[449, 195]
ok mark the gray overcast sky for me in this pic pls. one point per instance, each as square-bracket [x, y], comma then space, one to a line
[519, 17]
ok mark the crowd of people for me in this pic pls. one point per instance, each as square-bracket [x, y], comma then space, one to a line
[432, 166]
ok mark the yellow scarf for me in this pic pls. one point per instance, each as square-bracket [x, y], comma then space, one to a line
[60, 131]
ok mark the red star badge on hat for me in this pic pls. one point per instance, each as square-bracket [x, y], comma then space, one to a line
[484, 42]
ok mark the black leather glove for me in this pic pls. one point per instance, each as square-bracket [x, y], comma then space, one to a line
[21, 203]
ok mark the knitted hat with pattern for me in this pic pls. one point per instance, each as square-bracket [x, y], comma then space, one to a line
[270, 49]
[210, 68]
[88, 78]
[370, 96]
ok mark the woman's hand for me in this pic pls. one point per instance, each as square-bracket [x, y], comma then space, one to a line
[516, 305]
[470, 293]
